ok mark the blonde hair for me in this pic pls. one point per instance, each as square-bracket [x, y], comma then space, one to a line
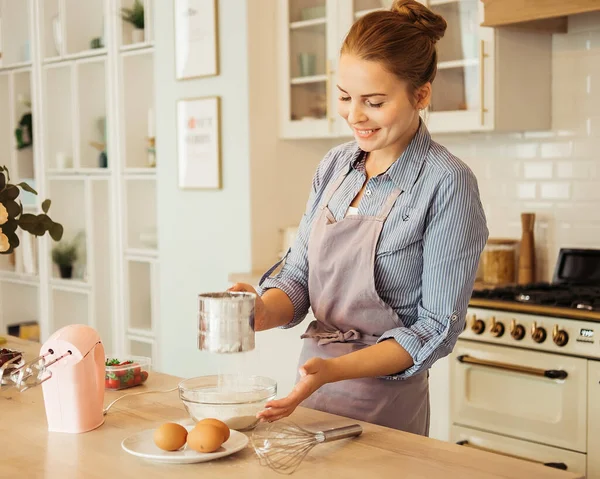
[403, 39]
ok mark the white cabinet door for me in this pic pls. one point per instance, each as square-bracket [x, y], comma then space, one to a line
[462, 95]
[307, 36]
[593, 420]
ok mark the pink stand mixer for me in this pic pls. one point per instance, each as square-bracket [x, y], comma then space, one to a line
[71, 370]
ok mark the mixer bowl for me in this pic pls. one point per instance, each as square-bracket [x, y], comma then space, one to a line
[233, 399]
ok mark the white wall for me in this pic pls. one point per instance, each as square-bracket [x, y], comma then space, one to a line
[203, 235]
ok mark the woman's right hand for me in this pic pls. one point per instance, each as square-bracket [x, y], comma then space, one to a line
[260, 310]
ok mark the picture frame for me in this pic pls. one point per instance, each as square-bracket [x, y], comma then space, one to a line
[196, 39]
[199, 143]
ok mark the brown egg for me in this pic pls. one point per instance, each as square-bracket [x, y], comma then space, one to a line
[205, 438]
[170, 436]
[224, 427]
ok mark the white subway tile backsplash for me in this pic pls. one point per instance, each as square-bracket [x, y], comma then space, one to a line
[578, 235]
[526, 150]
[537, 170]
[586, 190]
[539, 134]
[556, 150]
[578, 212]
[526, 191]
[555, 174]
[555, 191]
[537, 206]
[576, 169]
[585, 147]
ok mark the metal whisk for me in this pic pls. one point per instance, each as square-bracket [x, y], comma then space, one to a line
[282, 445]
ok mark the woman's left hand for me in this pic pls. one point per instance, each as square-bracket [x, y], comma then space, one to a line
[315, 373]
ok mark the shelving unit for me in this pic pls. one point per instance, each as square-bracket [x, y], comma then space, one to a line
[91, 94]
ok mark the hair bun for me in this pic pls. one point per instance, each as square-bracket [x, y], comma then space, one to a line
[430, 23]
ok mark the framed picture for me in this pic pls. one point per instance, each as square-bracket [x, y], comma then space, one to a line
[199, 143]
[196, 39]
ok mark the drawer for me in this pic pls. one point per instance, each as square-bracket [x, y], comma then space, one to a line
[547, 456]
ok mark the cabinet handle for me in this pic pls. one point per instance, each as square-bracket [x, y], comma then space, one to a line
[330, 120]
[556, 465]
[547, 373]
[482, 57]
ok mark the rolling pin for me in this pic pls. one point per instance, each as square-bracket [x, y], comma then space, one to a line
[526, 273]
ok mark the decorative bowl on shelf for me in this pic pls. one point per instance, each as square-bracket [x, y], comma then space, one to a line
[231, 398]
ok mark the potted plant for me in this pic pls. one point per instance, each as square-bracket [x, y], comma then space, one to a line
[135, 16]
[64, 254]
[12, 216]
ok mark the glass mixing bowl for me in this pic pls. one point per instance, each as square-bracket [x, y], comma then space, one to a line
[233, 399]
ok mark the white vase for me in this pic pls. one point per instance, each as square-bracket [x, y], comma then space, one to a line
[137, 35]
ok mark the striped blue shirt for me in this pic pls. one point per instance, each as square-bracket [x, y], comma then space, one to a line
[428, 251]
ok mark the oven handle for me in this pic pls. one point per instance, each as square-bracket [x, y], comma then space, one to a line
[556, 465]
[547, 373]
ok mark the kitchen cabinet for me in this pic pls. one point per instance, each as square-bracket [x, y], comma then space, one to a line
[548, 14]
[488, 79]
[593, 466]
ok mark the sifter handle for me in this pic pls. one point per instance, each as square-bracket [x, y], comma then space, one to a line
[342, 432]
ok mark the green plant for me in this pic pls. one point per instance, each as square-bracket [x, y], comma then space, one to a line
[134, 15]
[12, 216]
[65, 253]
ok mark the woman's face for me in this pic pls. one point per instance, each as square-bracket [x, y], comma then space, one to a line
[376, 104]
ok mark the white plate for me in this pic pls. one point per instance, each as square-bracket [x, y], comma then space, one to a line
[142, 445]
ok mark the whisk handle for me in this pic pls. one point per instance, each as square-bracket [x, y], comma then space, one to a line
[342, 432]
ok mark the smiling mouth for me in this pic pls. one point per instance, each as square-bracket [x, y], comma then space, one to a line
[366, 133]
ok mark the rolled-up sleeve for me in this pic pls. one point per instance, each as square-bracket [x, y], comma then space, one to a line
[454, 237]
[292, 279]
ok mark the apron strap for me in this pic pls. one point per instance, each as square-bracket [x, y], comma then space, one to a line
[333, 188]
[273, 268]
[389, 203]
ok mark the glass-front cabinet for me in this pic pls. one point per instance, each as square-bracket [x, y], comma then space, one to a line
[306, 68]
[460, 100]
[476, 87]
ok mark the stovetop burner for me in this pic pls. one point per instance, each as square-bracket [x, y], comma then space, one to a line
[558, 295]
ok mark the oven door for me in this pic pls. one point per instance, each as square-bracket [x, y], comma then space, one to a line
[594, 419]
[544, 455]
[520, 393]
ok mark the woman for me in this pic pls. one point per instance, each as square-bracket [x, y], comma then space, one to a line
[388, 247]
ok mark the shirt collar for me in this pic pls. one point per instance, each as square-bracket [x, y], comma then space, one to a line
[405, 170]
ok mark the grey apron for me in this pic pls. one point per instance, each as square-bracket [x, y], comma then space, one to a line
[351, 315]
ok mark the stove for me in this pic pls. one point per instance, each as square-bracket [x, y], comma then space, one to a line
[580, 297]
[573, 293]
[525, 372]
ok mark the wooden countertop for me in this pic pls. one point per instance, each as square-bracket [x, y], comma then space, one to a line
[29, 450]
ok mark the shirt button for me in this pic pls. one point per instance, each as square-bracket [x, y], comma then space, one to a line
[368, 192]
[454, 317]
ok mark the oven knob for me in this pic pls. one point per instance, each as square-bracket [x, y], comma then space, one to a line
[517, 331]
[477, 325]
[560, 336]
[497, 328]
[538, 334]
